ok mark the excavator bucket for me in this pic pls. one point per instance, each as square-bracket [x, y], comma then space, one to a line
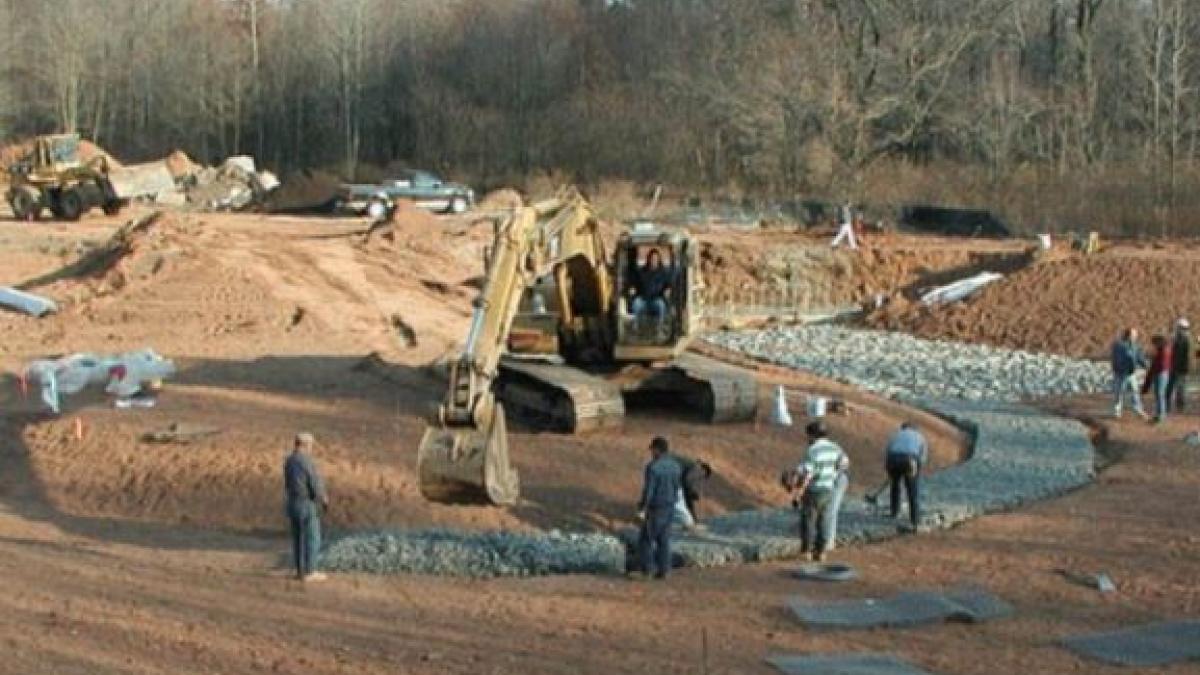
[467, 465]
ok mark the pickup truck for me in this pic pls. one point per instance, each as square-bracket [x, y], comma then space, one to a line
[425, 189]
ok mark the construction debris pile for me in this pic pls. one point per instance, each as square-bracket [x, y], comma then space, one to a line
[234, 185]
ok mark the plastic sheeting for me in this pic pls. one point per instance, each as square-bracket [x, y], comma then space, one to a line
[26, 302]
[960, 289]
[122, 375]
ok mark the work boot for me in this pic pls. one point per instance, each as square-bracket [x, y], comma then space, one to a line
[818, 556]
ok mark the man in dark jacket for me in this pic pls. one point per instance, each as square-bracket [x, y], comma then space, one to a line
[305, 494]
[652, 287]
[1181, 364]
[663, 480]
[1127, 357]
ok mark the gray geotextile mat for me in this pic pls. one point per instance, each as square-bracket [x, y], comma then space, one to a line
[844, 664]
[1155, 644]
[833, 572]
[967, 604]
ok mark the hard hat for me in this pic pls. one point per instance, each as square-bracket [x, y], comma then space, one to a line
[1183, 323]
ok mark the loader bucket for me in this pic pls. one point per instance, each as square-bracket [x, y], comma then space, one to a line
[141, 180]
[467, 465]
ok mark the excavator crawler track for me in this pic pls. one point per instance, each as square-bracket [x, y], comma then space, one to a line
[558, 398]
[715, 392]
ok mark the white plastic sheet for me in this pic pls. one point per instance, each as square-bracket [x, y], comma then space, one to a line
[26, 302]
[122, 375]
[960, 289]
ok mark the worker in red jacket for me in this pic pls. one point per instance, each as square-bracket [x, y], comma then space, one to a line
[1159, 375]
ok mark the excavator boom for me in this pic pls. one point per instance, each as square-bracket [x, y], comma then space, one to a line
[463, 458]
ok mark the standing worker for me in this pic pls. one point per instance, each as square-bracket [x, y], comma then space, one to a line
[1126, 358]
[846, 228]
[906, 455]
[1158, 376]
[305, 492]
[1181, 365]
[823, 461]
[662, 483]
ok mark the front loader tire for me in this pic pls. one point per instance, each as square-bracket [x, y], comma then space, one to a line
[24, 203]
[70, 205]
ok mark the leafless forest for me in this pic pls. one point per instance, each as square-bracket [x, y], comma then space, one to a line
[1058, 113]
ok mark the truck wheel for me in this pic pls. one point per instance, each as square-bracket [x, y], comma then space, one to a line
[458, 205]
[24, 205]
[113, 208]
[70, 204]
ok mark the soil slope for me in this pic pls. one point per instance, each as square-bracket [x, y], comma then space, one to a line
[281, 323]
[1071, 305]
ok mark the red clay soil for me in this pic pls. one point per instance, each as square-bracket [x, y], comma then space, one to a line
[117, 556]
[735, 263]
[271, 321]
[501, 199]
[96, 595]
[1073, 305]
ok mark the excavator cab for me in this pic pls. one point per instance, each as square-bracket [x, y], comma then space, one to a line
[658, 291]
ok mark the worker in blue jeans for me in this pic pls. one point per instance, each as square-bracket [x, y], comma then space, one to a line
[905, 457]
[305, 497]
[661, 487]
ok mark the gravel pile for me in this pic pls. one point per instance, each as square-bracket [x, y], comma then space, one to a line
[474, 554]
[903, 367]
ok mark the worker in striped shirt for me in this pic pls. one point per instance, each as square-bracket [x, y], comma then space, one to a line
[818, 473]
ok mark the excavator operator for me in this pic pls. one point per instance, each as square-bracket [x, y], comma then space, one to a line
[652, 287]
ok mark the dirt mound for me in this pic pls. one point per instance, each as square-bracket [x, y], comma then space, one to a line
[137, 251]
[504, 198]
[305, 190]
[1074, 306]
[89, 151]
[738, 265]
[11, 154]
[409, 216]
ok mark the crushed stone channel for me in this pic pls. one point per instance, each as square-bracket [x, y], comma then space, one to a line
[1019, 455]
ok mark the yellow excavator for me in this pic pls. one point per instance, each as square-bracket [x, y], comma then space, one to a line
[553, 344]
